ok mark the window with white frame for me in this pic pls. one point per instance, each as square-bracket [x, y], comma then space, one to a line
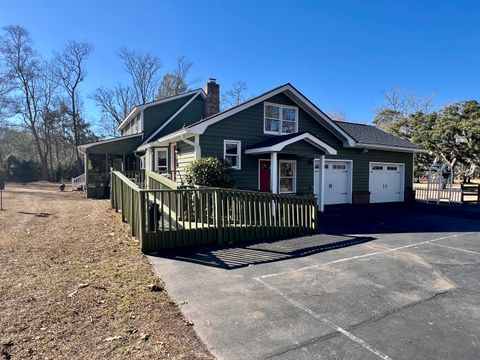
[288, 176]
[161, 160]
[280, 119]
[142, 163]
[232, 150]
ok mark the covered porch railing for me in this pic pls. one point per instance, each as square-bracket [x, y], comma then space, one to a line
[78, 182]
[162, 217]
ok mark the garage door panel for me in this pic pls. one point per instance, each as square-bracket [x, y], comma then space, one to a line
[337, 183]
[386, 182]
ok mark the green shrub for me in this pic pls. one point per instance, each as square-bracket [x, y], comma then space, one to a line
[209, 171]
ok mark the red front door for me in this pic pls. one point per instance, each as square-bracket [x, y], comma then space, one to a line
[264, 174]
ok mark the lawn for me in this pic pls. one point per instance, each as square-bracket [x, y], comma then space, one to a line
[73, 284]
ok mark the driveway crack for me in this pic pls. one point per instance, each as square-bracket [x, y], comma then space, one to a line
[394, 311]
[305, 343]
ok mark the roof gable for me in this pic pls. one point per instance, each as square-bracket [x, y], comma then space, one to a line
[299, 99]
[139, 108]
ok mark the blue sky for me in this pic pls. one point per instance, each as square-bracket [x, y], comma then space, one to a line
[340, 54]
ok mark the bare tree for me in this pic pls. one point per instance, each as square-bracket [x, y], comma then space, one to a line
[25, 71]
[143, 69]
[115, 104]
[68, 69]
[234, 96]
[393, 115]
[6, 87]
[407, 102]
[176, 82]
[338, 115]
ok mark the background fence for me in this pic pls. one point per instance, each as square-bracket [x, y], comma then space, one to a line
[462, 194]
[165, 215]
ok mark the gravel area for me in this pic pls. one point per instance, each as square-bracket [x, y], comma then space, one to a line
[74, 285]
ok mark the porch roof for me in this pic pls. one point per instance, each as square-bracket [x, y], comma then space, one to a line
[278, 143]
[119, 145]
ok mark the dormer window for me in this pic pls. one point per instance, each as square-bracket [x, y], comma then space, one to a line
[280, 119]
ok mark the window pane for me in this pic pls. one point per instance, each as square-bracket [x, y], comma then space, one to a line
[231, 148]
[271, 125]
[288, 127]
[286, 169]
[162, 159]
[232, 160]
[288, 114]
[272, 112]
[286, 185]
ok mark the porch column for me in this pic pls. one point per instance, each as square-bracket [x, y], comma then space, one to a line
[321, 205]
[85, 165]
[274, 173]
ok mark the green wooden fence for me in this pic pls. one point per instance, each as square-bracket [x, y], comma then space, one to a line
[163, 218]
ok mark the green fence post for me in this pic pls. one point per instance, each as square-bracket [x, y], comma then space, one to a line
[218, 215]
[141, 231]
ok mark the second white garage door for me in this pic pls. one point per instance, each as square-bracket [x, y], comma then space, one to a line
[386, 182]
[337, 182]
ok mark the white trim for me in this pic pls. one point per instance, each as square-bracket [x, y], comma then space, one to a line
[171, 118]
[138, 108]
[172, 137]
[322, 183]
[82, 148]
[281, 145]
[274, 173]
[279, 176]
[198, 148]
[289, 90]
[280, 118]
[259, 160]
[402, 179]
[350, 174]
[239, 152]
[390, 148]
[157, 150]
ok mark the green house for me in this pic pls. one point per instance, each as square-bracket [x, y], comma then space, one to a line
[277, 142]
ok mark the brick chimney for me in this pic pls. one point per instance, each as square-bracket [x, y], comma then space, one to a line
[212, 103]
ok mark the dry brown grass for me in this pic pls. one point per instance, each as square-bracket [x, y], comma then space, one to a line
[71, 279]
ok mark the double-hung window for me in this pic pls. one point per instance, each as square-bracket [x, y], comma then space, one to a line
[232, 150]
[288, 176]
[161, 160]
[280, 119]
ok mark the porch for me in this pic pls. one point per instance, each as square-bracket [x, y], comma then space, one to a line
[292, 164]
[100, 157]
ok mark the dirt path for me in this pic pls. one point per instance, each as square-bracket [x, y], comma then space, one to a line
[73, 284]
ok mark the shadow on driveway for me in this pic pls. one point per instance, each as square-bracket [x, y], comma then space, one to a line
[339, 227]
[242, 254]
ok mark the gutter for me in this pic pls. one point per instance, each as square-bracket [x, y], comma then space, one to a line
[390, 148]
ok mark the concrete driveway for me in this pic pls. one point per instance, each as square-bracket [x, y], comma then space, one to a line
[388, 282]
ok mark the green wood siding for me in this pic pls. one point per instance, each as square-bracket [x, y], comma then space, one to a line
[155, 116]
[247, 126]
[191, 114]
[186, 154]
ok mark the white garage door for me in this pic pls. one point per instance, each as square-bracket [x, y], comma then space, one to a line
[337, 183]
[386, 182]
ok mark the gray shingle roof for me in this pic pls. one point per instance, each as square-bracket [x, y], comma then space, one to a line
[371, 135]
